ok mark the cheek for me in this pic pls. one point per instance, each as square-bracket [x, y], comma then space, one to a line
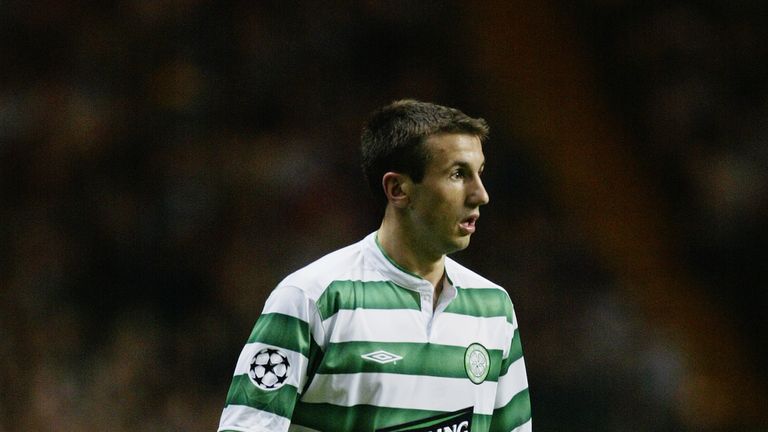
[440, 206]
[444, 212]
[433, 212]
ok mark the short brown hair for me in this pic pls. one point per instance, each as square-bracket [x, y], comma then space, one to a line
[393, 138]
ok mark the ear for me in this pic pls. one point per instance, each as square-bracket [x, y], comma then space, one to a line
[396, 187]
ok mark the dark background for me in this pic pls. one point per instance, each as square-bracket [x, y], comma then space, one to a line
[163, 164]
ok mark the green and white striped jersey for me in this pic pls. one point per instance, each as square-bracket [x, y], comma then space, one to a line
[352, 342]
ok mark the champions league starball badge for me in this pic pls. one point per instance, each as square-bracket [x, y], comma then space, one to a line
[477, 363]
[269, 369]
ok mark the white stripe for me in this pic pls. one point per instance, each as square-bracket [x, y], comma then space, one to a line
[405, 325]
[514, 319]
[401, 391]
[464, 330]
[247, 419]
[297, 362]
[525, 427]
[376, 325]
[511, 383]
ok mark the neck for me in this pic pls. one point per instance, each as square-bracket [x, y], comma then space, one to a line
[405, 251]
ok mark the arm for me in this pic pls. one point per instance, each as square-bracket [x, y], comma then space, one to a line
[512, 409]
[272, 367]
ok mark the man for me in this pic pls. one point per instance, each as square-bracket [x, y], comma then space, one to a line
[389, 334]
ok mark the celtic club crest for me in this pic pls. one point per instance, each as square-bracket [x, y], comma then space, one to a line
[477, 363]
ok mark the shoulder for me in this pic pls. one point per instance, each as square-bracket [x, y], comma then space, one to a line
[477, 295]
[315, 277]
[463, 277]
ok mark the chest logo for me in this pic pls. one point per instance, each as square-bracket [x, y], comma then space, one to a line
[382, 357]
[477, 363]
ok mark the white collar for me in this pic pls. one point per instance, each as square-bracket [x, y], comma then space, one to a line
[396, 273]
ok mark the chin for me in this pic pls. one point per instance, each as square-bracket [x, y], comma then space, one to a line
[459, 245]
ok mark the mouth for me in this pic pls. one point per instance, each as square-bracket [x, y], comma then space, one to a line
[468, 225]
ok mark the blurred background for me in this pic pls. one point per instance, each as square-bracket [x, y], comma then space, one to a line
[163, 164]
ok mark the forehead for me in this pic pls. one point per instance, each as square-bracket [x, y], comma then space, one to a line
[448, 149]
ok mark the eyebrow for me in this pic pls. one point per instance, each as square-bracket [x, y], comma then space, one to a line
[466, 165]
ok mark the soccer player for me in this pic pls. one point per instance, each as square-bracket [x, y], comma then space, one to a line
[390, 334]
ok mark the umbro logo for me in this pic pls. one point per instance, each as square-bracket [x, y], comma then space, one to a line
[382, 357]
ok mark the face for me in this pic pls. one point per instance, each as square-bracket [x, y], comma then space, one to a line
[444, 206]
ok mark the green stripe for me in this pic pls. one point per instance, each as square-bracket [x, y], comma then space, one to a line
[366, 295]
[315, 358]
[244, 392]
[418, 359]
[328, 417]
[481, 302]
[515, 352]
[282, 331]
[514, 414]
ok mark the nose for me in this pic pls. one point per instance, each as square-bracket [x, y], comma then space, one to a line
[478, 195]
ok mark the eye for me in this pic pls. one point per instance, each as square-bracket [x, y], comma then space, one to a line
[457, 174]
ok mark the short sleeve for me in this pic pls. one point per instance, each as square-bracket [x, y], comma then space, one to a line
[272, 367]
